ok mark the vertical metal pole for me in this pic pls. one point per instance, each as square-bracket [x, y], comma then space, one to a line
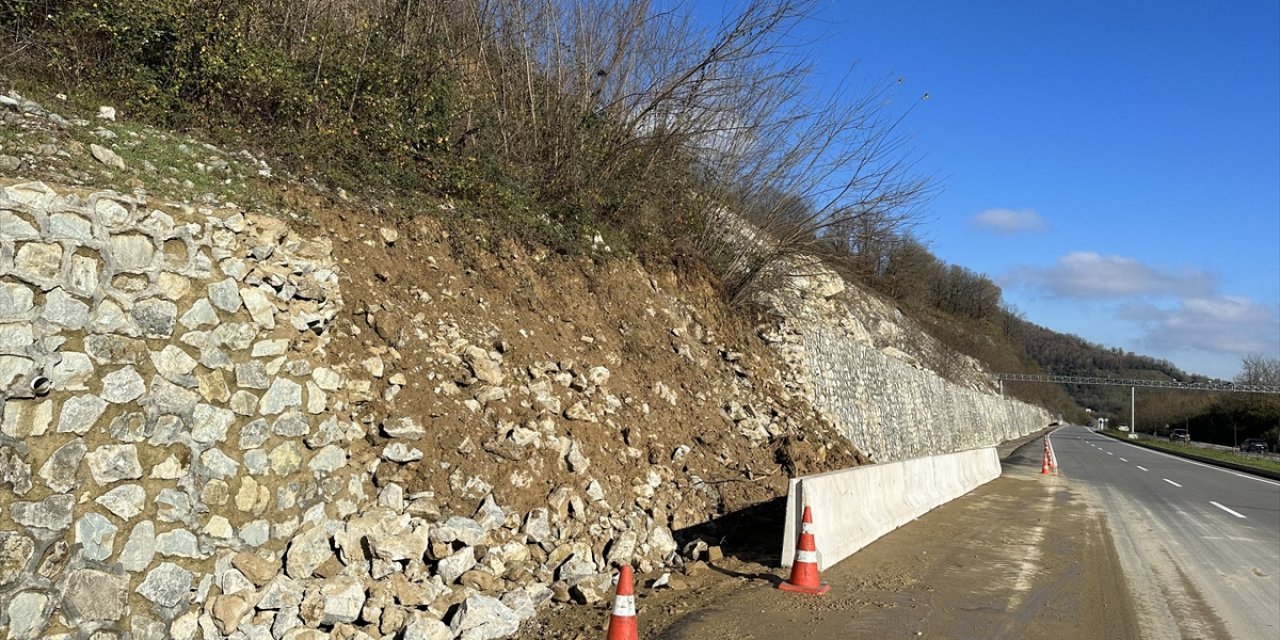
[1133, 416]
[1001, 387]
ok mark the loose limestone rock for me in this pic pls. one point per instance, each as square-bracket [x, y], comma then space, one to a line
[482, 617]
[107, 157]
[336, 600]
[307, 552]
[423, 627]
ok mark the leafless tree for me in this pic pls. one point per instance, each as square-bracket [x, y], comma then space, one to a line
[1259, 369]
[712, 119]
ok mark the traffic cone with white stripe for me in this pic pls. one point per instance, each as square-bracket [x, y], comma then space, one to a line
[622, 623]
[1044, 464]
[804, 570]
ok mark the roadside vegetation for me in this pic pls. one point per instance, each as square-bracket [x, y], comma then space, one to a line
[592, 127]
[575, 123]
[1256, 461]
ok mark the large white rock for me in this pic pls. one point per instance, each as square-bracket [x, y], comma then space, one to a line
[482, 617]
[112, 463]
[167, 585]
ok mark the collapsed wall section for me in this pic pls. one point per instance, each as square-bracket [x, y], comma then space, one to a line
[198, 440]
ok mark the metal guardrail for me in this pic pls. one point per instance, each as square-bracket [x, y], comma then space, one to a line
[1227, 387]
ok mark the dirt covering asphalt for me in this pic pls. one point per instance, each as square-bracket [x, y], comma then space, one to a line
[1024, 556]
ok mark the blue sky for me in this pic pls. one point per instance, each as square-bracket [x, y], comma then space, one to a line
[1114, 166]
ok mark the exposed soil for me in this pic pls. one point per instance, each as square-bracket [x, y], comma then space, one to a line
[411, 302]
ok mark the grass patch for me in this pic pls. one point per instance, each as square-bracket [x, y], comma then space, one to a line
[1233, 457]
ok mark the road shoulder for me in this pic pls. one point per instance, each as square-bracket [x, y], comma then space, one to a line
[1023, 556]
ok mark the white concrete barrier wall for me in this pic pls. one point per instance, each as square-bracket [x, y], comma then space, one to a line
[853, 507]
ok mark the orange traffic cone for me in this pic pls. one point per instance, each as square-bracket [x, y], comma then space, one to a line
[622, 623]
[804, 571]
[1044, 464]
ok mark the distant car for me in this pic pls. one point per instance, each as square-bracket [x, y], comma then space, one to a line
[1179, 435]
[1124, 427]
[1254, 445]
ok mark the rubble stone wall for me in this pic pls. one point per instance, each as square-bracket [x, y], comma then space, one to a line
[882, 399]
[894, 411]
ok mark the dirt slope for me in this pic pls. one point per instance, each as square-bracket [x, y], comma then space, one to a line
[679, 364]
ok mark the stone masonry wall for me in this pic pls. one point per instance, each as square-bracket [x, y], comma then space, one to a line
[883, 401]
[183, 421]
[893, 411]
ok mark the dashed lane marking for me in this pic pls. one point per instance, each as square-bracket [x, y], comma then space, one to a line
[1140, 467]
[1234, 513]
[1172, 482]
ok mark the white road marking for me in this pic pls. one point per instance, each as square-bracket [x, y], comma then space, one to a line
[1141, 467]
[1172, 482]
[1201, 464]
[1238, 515]
[1123, 460]
[1110, 454]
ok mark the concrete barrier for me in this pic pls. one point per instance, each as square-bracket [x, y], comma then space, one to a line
[854, 507]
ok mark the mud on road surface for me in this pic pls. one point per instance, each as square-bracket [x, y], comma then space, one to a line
[1022, 557]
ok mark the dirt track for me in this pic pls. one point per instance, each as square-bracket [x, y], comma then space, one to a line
[1022, 557]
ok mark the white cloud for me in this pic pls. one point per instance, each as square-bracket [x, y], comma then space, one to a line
[1217, 323]
[1085, 274]
[1178, 313]
[1007, 222]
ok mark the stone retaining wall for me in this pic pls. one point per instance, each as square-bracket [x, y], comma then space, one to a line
[185, 419]
[894, 411]
[883, 400]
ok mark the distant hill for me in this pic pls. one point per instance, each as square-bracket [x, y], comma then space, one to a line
[1069, 355]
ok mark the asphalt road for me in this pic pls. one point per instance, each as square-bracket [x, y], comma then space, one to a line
[1199, 545]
